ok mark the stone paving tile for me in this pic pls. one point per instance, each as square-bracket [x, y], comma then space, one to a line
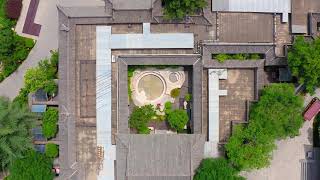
[240, 86]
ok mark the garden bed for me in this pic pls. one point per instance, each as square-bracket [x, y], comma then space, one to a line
[240, 56]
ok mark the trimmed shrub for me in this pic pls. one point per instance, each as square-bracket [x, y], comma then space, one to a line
[175, 93]
[222, 57]
[13, 9]
[255, 56]
[49, 123]
[239, 56]
[188, 97]
[178, 119]
[52, 150]
[167, 107]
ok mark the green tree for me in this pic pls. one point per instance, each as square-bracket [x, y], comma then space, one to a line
[277, 115]
[178, 119]
[49, 122]
[178, 9]
[15, 127]
[249, 148]
[33, 166]
[278, 111]
[140, 117]
[216, 169]
[52, 150]
[303, 60]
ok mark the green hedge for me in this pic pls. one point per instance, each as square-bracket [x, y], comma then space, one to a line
[52, 150]
[49, 123]
[175, 93]
[167, 107]
[241, 56]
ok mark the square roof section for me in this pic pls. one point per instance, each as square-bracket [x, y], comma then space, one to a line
[158, 156]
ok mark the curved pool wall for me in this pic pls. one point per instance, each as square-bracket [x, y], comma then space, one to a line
[138, 96]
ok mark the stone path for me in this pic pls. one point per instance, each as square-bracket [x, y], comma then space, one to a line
[48, 40]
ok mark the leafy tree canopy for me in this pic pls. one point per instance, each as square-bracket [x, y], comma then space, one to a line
[216, 169]
[42, 76]
[178, 119]
[15, 125]
[49, 122]
[178, 9]
[303, 60]
[34, 166]
[140, 117]
[277, 115]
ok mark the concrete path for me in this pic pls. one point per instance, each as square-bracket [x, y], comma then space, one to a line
[47, 16]
[285, 163]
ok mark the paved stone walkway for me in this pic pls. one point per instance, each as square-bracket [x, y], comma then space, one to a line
[48, 40]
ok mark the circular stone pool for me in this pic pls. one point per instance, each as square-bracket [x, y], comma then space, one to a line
[151, 86]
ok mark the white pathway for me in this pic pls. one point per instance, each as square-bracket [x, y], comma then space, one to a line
[48, 40]
[214, 75]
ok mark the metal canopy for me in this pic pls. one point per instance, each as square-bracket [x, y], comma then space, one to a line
[262, 6]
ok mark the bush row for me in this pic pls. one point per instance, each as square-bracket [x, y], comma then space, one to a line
[223, 57]
[49, 123]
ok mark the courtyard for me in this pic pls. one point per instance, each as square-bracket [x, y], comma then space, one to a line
[161, 87]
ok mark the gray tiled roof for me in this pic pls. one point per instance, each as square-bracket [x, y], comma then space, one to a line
[158, 156]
